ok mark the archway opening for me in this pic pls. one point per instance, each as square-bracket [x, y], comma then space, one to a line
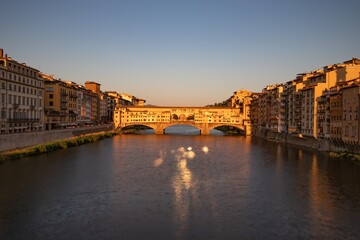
[227, 130]
[190, 117]
[137, 129]
[182, 117]
[182, 129]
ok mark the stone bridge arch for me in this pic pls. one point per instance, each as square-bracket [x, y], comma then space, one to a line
[187, 123]
[137, 124]
[160, 118]
[240, 127]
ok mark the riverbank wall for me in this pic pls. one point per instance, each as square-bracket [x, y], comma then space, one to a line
[23, 140]
[321, 144]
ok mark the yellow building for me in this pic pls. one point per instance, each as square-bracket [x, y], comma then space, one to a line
[60, 103]
[21, 97]
[94, 87]
[347, 71]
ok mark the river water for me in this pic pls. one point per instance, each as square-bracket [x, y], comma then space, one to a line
[180, 186]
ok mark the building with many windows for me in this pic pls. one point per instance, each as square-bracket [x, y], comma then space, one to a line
[21, 97]
[350, 110]
[61, 103]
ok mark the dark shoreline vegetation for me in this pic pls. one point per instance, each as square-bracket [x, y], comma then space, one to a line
[345, 156]
[54, 146]
[63, 144]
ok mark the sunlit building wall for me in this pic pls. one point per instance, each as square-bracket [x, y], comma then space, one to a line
[61, 103]
[21, 97]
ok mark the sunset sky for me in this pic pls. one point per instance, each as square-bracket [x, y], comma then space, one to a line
[180, 52]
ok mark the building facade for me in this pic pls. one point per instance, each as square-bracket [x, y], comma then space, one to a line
[350, 123]
[21, 97]
[61, 103]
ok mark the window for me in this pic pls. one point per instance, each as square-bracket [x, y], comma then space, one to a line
[346, 132]
[354, 131]
[51, 96]
[51, 103]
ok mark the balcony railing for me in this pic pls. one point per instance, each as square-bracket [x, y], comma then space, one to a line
[22, 120]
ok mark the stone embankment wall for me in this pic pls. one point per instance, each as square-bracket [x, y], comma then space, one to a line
[21, 140]
[323, 144]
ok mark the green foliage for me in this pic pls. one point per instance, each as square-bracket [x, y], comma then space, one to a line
[345, 155]
[54, 146]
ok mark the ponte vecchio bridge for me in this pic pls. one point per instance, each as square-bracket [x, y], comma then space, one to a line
[160, 118]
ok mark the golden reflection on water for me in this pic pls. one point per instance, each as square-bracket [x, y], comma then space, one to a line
[160, 160]
[183, 188]
[322, 208]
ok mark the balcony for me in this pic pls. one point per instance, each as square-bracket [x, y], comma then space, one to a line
[15, 105]
[52, 113]
[22, 120]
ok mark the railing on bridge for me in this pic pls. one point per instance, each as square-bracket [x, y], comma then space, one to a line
[159, 118]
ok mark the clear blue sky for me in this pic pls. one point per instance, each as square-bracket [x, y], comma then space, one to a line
[180, 52]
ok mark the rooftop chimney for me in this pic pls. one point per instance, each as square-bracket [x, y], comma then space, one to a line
[1, 52]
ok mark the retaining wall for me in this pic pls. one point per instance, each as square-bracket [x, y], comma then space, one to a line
[321, 144]
[21, 140]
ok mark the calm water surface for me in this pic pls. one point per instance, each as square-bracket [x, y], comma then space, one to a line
[145, 186]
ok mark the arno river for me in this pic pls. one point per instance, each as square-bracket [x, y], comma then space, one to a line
[144, 186]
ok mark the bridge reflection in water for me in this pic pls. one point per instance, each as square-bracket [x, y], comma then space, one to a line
[202, 118]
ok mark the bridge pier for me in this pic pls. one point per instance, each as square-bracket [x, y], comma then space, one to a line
[159, 130]
[204, 131]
